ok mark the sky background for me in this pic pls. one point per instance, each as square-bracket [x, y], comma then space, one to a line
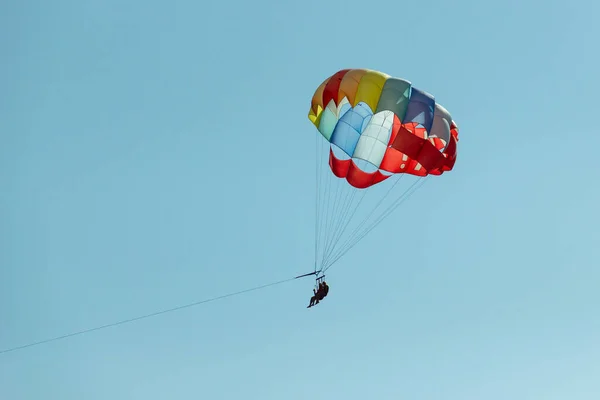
[153, 154]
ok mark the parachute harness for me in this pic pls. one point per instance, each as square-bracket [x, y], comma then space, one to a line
[318, 281]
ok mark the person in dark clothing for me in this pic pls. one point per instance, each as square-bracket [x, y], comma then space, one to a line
[316, 297]
[319, 294]
[325, 290]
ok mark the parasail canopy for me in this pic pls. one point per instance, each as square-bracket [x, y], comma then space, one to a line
[384, 121]
[375, 127]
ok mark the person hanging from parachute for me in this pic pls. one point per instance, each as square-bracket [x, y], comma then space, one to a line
[316, 294]
[319, 294]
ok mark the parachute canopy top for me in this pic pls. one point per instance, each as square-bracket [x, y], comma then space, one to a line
[384, 121]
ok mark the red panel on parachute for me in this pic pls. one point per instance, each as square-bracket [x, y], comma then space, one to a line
[332, 87]
[411, 141]
[407, 142]
[353, 174]
[392, 161]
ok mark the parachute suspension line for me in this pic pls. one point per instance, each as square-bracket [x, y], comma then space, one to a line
[346, 209]
[364, 221]
[348, 218]
[326, 215]
[327, 203]
[345, 201]
[332, 220]
[322, 184]
[343, 205]
[333, 208]
[318, 176]
[337, 209]
[405, 196]
[419, 183]
[358, 235]
[332, 216]
[416, 185]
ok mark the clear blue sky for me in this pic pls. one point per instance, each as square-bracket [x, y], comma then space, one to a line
[153, 154]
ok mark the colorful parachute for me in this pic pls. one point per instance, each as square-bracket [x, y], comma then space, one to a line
[376, 126]
[384, 121]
